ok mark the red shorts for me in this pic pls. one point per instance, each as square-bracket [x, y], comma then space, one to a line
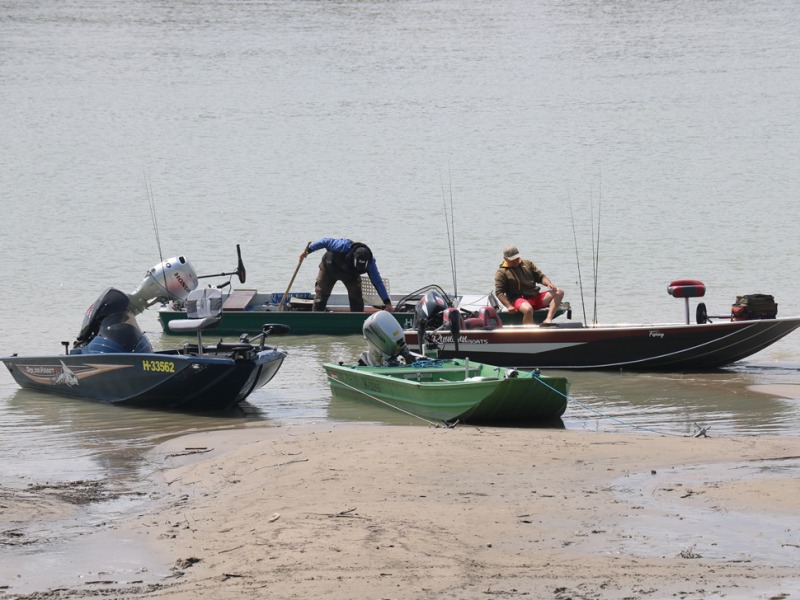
[536, 302]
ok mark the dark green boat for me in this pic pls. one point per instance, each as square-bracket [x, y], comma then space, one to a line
[247, 310]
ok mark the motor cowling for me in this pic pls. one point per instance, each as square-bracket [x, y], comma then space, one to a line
[172, 279]
[429, 312]
[109, 326]
[383, 333]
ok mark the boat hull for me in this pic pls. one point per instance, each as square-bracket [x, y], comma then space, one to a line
[301, 322]
[155, 380]
[668, 347]
[256, 309]
[441, 393]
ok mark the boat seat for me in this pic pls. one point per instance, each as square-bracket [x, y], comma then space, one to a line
[487, 319]
[203, 309]
[370, 294]
[473, 323]
[490, 317]
[686, 288]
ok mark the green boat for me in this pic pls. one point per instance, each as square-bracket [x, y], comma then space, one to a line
[247, 311]
[448, 390]
[454, 390]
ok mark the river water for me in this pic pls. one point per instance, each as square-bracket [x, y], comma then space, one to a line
[620, 145]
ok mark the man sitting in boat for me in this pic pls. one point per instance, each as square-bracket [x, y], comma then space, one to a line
[516, 287]
[345, 261]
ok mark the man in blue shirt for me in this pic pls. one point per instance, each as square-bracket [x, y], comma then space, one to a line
[345, 261]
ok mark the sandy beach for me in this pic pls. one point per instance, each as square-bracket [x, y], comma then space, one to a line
[412, 512]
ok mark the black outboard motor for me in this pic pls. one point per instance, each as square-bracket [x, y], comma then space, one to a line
[109, 326]
[428, 314]
[429, 311]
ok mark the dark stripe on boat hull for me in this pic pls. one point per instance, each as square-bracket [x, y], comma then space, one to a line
[658, 347]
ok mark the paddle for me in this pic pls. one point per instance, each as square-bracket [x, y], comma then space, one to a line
[286, 293]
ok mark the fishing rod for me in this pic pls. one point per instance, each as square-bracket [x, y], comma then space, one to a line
[453, 227]
[152, 202]
[451, 244]
[577, 258]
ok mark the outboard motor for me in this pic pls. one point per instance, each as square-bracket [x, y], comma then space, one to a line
[171, 279]
[110, 324]
[387, 344]
[428, 314]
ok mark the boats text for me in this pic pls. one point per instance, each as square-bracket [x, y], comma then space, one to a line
[462, 339]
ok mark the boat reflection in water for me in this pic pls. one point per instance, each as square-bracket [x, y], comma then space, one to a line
[364, 410]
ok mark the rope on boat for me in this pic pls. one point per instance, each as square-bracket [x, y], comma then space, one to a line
[445, 424]
[569, 398]
[425, 363]
[390, 405]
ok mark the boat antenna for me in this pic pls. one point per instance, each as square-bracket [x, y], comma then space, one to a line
[152, 203]
[577, 258]
[451, 241]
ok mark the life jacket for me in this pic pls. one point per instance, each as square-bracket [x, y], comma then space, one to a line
[348, 264]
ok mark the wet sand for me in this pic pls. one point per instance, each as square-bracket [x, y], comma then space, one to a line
[411, 512]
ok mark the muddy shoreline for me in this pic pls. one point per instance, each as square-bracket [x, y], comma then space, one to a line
[407, 512]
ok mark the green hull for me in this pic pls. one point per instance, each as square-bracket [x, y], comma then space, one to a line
[448, 392]
[247, 311]
[235, 323]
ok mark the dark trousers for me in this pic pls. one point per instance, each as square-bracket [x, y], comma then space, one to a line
[324, 286]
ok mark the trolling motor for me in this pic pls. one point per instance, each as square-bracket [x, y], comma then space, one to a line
[110, 322]
[240, 272]
[387, 344]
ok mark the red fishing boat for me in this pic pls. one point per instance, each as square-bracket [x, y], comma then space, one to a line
[751, 326]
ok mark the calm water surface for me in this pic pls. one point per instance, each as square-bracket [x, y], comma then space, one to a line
[662, 138]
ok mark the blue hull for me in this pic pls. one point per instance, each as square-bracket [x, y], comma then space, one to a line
[161, 380]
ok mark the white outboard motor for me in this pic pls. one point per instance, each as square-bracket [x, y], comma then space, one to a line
[110, 324]
[171, 279]
[387, 344]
